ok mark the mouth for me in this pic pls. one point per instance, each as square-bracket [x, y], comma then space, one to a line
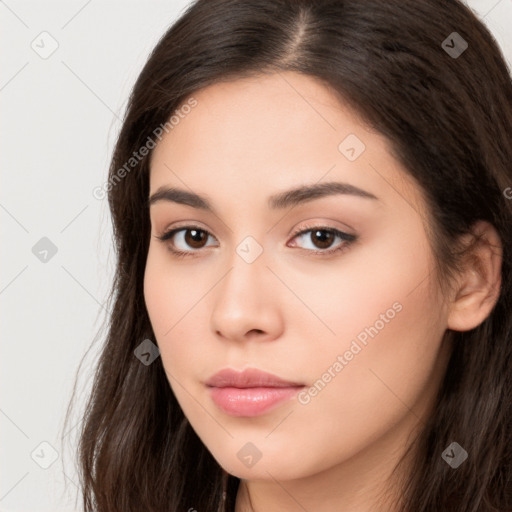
[251, 392]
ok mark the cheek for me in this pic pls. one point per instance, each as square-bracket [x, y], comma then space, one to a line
[165, 298]
[385, 381]
[173, 301]
[156, 292]
[388, 326]
[174, 312]
[359, 297]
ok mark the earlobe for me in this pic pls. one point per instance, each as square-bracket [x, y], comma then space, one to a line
[479, 285]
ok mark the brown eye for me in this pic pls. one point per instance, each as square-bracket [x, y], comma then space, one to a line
[195, 238]
[323, 238]
[187, 239]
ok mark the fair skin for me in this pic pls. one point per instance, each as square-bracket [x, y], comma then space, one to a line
[292, 312]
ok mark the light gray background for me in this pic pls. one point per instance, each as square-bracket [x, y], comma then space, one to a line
[60, 117]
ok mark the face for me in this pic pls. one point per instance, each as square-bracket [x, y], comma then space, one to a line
[330, 290]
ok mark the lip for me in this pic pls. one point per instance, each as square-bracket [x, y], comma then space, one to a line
[248, 378]
[250, 392]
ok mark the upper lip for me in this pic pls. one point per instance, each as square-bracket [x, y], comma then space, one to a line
[248, 378]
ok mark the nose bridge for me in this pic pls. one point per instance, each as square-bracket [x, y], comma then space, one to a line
[243, 300]
[248, 266]
[249, 250]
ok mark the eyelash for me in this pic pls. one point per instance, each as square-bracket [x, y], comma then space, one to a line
[347, 238]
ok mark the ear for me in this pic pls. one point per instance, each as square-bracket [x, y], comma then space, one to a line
[479, 285]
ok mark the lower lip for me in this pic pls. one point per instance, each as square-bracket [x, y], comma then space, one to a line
[251, 401]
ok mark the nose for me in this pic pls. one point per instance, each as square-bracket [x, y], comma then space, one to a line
[246, 302]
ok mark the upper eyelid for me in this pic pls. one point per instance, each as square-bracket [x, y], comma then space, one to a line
[320, 226]
[186, 227]
[294, 232]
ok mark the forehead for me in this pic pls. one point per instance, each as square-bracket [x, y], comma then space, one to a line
[279, 112]
[268, 133]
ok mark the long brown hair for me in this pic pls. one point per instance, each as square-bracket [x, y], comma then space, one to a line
[446, 110]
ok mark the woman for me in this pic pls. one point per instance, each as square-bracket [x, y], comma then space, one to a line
[312, 302]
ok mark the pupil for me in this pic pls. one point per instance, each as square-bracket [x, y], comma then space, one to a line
[196, 237]
[325, 240]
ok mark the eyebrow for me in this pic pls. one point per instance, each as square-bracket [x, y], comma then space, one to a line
[281, 200]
